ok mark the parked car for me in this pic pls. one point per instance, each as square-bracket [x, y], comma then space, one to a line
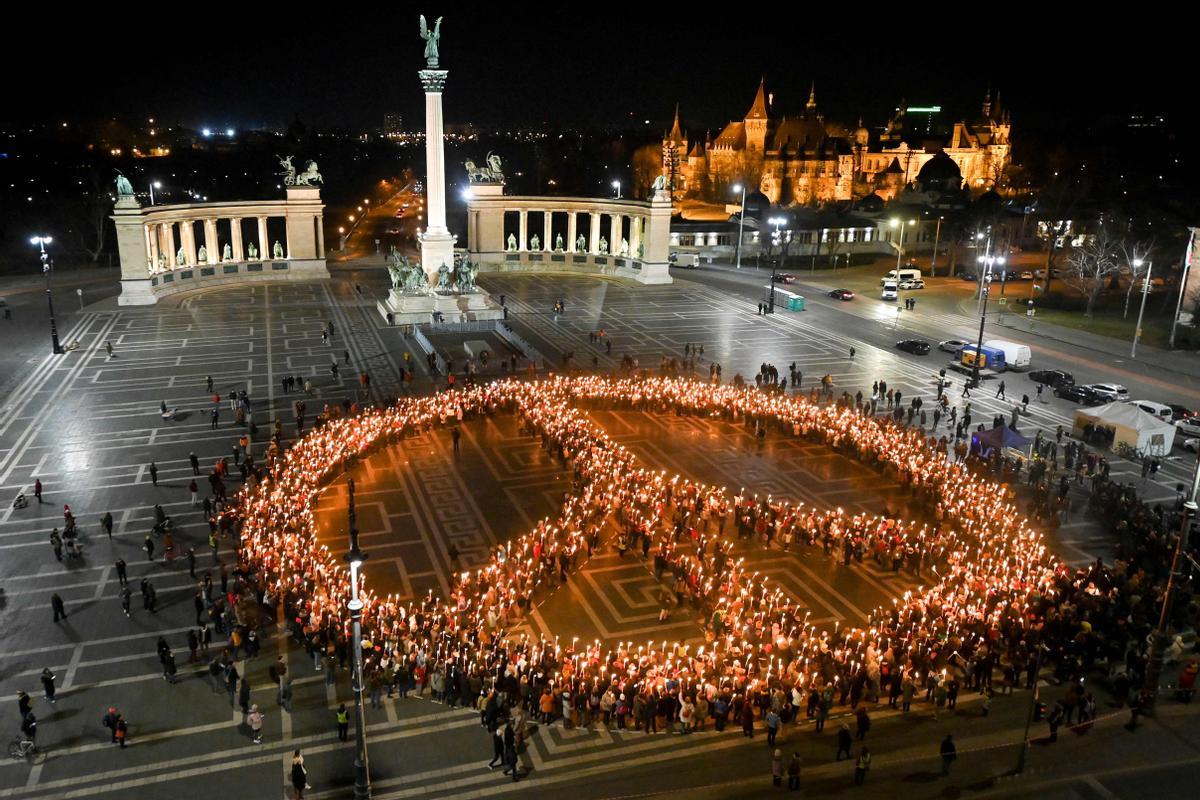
[951, 345]
[912, 284]
[394, 231]
[783, 277]
[918, 347]
[1051, 377]
[1189, 427]
[968, 276]
[1026, 276]
[1192, 444]
[889, 292]
[1083, 395]
[842, 294]
[1154, 409]
[1110, 391]
[1178, 412]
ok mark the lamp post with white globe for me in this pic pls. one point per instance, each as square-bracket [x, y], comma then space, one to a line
[356, 557]
[41, 242]
[741, 222]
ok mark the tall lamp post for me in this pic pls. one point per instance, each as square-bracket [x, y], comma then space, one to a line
[356, 557]
[988, 261]
[895, 223]
[1137, 334]
[1158, 640]
[776, 239]
[937, 235]
[41, 242]
[741, 221]
[154, 185]
[617, 188]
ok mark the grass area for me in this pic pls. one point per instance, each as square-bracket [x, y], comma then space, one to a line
[1109, 322]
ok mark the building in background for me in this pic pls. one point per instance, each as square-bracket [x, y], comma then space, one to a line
[804, 159]
[393, 126]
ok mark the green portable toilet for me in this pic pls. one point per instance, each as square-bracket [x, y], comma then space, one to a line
[795, 303]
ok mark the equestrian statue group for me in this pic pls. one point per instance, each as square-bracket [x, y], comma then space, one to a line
[409, 278]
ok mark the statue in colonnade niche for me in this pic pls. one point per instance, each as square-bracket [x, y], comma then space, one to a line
[581, 244]
[641, 250]
[603, 245]
[180, 258]
[558, 244]
[202, 255]
[278, 249]
[624, 247]
[535, 243]
[227, 253]
[162, 261]
[252, 251]
[512, 243]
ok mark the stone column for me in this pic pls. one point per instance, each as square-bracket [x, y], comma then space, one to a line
[593, 232]
[211, 243]
[188, 230]
[166, 242]
[437, 243]
[614, 234]
[235, 238]
[523, 230]
[319, 224]
[151, 247]
[572, 233]
[635, 236]
[547, 219]
[264, 245]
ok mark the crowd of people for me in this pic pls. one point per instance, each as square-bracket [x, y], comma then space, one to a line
[997, 597]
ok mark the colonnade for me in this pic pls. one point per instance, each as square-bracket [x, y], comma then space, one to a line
[167, 240]
[613, 234]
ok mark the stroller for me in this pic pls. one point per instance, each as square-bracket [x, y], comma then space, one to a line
[21, 501]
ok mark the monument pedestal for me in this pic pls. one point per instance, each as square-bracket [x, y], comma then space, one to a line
[408, 309]
[437, 248]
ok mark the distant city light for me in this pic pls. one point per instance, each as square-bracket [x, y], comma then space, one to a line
[229, 131]
[206, 132]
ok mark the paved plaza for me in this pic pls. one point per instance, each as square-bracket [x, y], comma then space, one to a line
[89, 427]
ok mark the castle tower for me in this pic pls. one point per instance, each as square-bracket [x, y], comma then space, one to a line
[756, 120]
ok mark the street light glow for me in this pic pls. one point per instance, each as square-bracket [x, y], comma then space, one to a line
[40, 239]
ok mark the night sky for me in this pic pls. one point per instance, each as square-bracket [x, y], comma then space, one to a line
[528, 67]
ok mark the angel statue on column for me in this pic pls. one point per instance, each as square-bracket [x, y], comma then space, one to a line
[431, 40]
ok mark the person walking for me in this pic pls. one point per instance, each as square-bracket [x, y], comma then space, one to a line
[106, 522]
[126, 599]
[844, 741]
[794, 773]
[299, 774]
[48, 684]
[772, 720]
[777, 767]
[153, 473]
[195, 490]
[109, 721]
[148, 546]
[244, 697]
[60, 609]
[512, 765]
[1000, 391]
[255, 720]
[497, 748]
[343, 722]
[195, 462]
[949, 753]
[862, 766]
[456, 437]
[121, 731]
[37, 489]
[57, 545]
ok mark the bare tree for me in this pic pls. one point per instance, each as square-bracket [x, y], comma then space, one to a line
[87, 215]
[1094, 263]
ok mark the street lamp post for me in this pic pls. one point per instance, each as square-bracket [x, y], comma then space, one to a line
[154, 185]
[895, 223]
[617, 186]
[775, 239]
[937, 235]
[741, 221]
[355, 557]
[1137, 334]
[1033, 701]
[988, 261]
[41, 242]
[1158, 642]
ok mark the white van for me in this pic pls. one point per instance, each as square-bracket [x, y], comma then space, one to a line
[1016, 356]
[890, 291]
[687, 260]
[897, 275]
[1154, 409]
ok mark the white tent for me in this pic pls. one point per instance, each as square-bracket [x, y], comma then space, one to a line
[1130, 425]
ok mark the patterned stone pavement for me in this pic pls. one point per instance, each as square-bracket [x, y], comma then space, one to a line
[89, 427]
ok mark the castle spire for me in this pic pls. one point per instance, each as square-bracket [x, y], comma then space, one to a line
[676, 134]
[987, 102]
[812, 97]
[759, 108]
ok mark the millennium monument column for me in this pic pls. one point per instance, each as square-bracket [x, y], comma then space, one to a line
[437, 289]
[437, 243]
